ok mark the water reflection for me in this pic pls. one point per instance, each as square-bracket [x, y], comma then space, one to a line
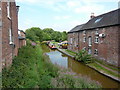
[84, 70]
[57, 57]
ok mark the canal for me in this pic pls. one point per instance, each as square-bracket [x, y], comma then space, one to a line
[61, 59]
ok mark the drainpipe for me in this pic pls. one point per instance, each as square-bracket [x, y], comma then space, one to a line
[78, 41]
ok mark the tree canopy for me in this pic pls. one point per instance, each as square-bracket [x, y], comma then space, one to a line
[37, 34]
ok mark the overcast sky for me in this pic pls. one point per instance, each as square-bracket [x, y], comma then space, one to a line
[61, 15]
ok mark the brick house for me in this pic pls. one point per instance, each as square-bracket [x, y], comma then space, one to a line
[99, 37]
[9, 32]
[22, 38]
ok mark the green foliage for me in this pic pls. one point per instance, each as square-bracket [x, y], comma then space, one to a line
[36, 34]
[27, 71]
[83, 56]
[65, 80]
[32, 69]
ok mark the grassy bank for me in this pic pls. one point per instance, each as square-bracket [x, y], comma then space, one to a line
[32, 69]
[113, 71]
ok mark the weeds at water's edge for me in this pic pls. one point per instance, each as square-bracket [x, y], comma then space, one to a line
[67, 79]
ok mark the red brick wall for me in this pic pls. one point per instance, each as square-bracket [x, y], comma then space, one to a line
[22, 42]
[9, 51]
[107, 46]
[74, 45]
[14, 17]
[0, 39]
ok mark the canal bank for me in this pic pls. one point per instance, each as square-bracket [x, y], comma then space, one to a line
[66, 61]
[101, 72]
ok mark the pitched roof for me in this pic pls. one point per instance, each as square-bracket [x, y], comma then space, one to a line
[77, 28]
[21, 31]
[107, 19]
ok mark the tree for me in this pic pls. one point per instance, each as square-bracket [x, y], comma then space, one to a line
[34, 34]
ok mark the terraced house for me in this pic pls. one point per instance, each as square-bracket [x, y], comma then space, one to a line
[99, 37]
[9, 42]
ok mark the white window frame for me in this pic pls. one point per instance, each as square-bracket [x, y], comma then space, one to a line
[96, 52]
[89, 51]
[8, 9]
[96, 39]
[84, 32]
[96, 32]
[84, 39]
[89, 41]
[84, 48]
[75, 43]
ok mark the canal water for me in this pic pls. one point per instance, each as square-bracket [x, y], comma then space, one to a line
[61, 59]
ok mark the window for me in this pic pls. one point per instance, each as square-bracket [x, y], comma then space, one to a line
[89, 41]
[96, 32]
[75, 43]
[96, 39]
[8, 9]
[71, 40]
[84, 48]
[10, 37]
[84, 39]
[96, 52]
[98, 20]
[84, 32]
[89, 51]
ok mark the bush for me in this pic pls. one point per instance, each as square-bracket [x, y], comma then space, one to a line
[83, 56]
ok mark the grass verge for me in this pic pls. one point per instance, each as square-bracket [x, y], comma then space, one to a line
[100, 68]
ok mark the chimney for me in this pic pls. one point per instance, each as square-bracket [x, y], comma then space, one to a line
[92, 15]
[119, 5]
[17, 7]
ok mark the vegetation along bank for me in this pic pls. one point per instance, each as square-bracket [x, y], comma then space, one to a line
[32, 69]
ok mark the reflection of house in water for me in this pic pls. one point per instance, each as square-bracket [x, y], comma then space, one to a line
[22, 38]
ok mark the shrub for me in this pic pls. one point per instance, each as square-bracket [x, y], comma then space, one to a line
[83, 56]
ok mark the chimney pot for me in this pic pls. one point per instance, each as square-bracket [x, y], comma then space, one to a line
[92, 15]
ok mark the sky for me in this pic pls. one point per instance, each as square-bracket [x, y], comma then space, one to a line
[60, 15]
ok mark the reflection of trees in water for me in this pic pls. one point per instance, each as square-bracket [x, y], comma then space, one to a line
[63, 55]
[46, 49]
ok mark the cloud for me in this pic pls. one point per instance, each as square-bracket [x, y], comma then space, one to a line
[89, 9]
[73, 3]
[61, 17]
[67, 11]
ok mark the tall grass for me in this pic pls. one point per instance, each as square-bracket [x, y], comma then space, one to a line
[32, 69]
